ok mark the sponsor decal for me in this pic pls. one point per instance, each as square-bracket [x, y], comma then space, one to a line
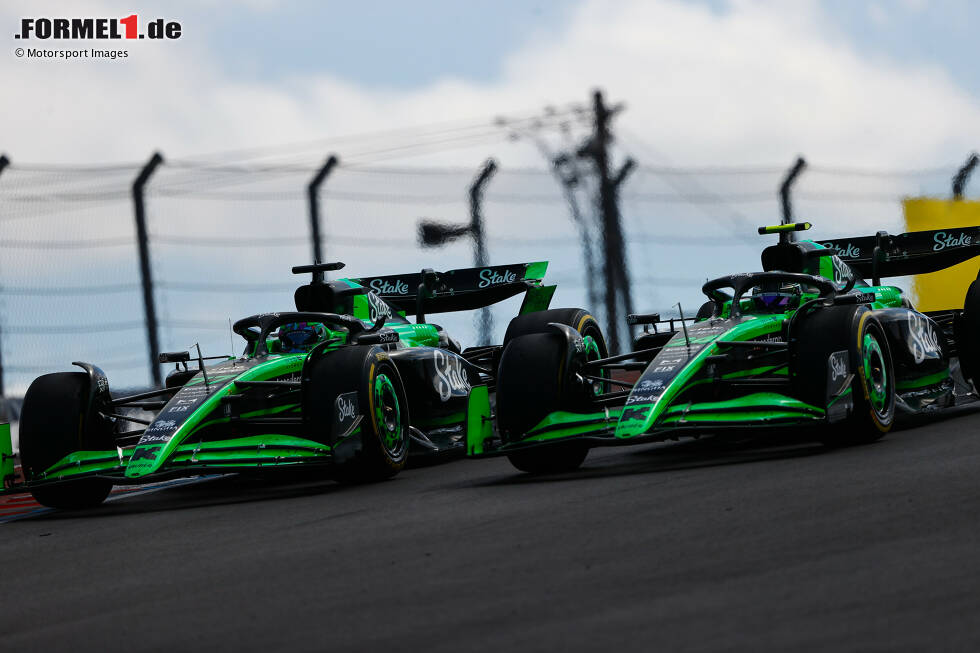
[647, 385]
[387, 336]
[151, 438]
[377, 307]
[924, 342]
[638, 414]
[641, 399]
[450, 376]
[847, 250]
[144, 453]
[842, 271]
[162, 425]
[838, 365]
[102, 383]
[346, 405]
[944, 240]
[383, 287]
[346, 414]
[489, 277]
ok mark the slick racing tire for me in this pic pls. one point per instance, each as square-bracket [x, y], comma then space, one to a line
[577, 318]
[382, 407]
[53, 425]
[873, 389]
[967, 335]
[531, 384]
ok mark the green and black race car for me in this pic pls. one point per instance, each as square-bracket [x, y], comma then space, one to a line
[805, 342]
[345, 383]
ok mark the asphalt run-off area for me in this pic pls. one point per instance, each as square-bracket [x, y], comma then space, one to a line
[701, 545]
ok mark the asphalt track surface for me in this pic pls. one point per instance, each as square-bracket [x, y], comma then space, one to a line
[684, 547]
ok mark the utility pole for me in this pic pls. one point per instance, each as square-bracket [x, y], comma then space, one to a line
[142, 240]
[565, 169]
[312, 191]
[784, 191]
[4, 162]
[596, 149]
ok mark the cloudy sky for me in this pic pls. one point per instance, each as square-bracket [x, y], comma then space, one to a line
[853, 86]
[862, 83]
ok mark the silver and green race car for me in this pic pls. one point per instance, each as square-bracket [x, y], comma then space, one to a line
[345, 383]
[806, 342]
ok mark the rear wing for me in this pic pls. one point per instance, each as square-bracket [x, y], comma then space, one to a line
[460, 290]
[916, 252]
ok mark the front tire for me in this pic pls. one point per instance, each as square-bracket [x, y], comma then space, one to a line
[53, 425]
[855, 330]
[382, 407]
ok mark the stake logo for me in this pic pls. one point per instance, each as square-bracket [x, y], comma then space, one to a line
[489, 277]
[97, 28]
[923, 340]
[944, 240]
[382, 287]
[838, 365]
[450, 378]
[847, 250]
[346, 414]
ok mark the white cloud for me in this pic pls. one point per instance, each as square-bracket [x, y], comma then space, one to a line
[757, 82]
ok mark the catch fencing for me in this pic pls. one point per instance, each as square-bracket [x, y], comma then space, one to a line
[221, 239]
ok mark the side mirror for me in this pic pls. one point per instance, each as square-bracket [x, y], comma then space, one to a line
[174, 357]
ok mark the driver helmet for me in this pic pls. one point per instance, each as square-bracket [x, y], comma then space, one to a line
[776, 297]
[301, 336]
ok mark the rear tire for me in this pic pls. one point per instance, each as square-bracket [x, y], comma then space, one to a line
[382, 405]
[53, 425]
[968, 336]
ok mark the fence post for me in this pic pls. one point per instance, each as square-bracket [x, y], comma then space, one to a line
[479, 240]
[959, 181]
[4, 162]
[312, 191]
[142, 240]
